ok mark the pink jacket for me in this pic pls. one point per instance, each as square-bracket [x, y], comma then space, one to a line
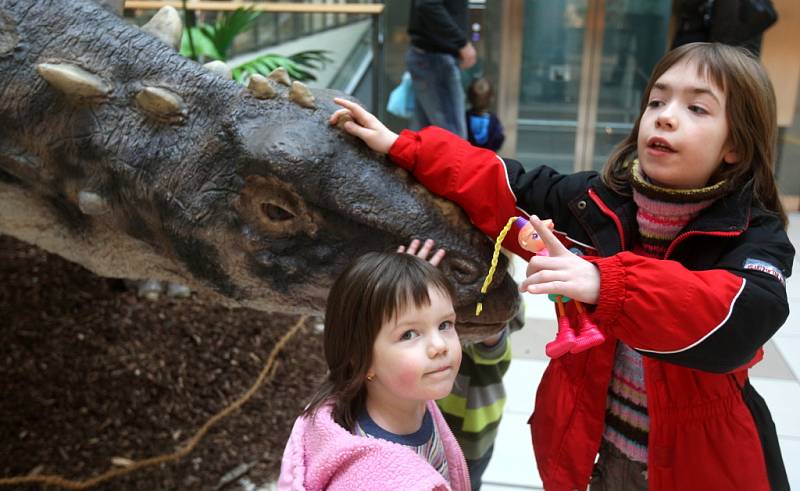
[320, 454]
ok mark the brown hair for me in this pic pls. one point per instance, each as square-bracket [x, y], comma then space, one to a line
[480, 94]
[371, 291]
[750, 113]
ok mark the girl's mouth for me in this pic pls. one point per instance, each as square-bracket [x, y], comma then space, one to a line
[439, 370]
[659, 145]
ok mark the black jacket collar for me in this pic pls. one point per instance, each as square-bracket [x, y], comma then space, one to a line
[730, 213]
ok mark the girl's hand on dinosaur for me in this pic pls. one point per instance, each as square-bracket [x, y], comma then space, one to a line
[562, 272]
[364, 125]
[422, 253]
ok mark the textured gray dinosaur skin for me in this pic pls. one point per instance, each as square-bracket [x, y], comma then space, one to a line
[257, 202]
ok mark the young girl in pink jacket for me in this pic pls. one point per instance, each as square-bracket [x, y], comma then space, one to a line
[392, 349]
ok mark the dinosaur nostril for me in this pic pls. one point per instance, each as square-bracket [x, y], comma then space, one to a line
[276, 213]
[462, 271]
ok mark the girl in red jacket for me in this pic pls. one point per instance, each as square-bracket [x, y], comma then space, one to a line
[685, 260]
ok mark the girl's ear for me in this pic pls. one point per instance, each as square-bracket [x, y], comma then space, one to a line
[730, 157]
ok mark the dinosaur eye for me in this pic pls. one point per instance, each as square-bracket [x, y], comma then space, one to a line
[273, 209]
[276, 213]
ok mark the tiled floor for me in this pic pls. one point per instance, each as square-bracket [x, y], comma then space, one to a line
[777, 379]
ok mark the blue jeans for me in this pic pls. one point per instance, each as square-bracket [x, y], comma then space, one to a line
[438, 94]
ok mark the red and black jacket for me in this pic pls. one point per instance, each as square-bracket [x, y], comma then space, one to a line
[699, 316]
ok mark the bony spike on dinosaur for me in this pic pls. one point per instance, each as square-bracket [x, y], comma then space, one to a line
[121, 155]
[568, 339]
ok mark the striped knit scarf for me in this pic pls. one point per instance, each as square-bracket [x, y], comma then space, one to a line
[662, 214]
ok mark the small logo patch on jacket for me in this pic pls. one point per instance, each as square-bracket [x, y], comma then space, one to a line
[764, 267]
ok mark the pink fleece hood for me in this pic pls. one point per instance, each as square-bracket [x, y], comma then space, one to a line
[320, 454]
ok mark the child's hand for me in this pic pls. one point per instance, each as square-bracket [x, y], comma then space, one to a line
[364, 125]
[562, 272]
[427, 247]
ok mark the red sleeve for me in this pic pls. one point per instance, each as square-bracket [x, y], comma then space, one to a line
[682, 307]
[473, 178]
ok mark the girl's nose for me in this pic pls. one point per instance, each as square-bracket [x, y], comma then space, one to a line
[437, 345]
[666, 120]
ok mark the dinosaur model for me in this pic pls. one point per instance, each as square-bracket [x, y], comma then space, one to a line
[121, 155]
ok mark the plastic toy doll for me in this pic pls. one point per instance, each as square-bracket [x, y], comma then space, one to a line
[567, 339]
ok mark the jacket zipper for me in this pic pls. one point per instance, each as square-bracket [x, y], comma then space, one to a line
[607, 211]
[690, 233]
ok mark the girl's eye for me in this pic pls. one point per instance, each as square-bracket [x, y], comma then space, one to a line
[446, 326]
[697, 109]
[408, 335]
[654, 103]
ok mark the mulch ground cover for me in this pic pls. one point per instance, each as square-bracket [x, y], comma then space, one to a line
[92, 376]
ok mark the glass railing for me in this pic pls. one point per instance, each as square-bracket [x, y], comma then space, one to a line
[352, 72]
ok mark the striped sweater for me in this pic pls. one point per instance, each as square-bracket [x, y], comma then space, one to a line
[661, 216]
[474, 407]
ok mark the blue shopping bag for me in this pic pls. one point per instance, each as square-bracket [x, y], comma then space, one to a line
[401, 100]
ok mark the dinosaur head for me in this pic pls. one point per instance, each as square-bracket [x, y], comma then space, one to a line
[313, 198]
[136, 162]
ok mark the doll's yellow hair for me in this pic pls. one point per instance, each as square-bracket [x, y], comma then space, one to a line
[488, 281]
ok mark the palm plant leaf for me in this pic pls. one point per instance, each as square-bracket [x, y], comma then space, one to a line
[294, 64]
[204, 46]
[230, 25]
[214, 40]
[312, 58]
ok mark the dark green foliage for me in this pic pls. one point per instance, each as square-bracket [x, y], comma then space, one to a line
[295, 64]
[213, 41]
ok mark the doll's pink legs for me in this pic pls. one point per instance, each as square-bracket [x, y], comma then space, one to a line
[588, 333]
[565, 338]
